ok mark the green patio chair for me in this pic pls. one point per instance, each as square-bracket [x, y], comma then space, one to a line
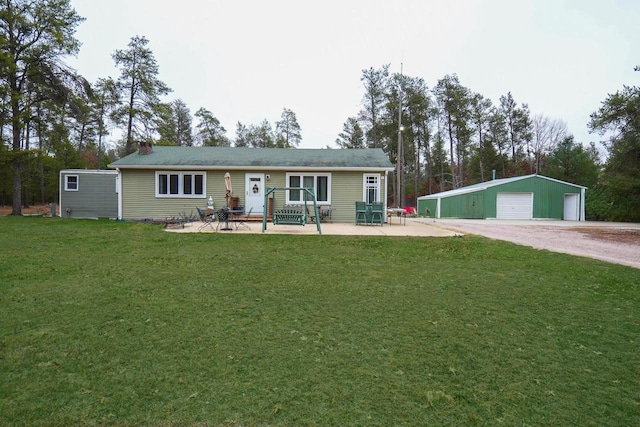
[361, 213]
[377, 213]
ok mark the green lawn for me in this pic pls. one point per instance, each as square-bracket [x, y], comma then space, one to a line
[107, 323]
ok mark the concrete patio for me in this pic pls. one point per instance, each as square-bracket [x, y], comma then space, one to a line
[416, 227]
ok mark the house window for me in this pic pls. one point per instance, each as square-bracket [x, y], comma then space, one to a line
[320, 183]
[180, 184]
[371, 188]
[71, 183]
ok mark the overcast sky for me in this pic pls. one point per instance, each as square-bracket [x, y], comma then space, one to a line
[247, 60]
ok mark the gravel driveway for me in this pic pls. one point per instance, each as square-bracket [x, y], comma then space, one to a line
[612, 242]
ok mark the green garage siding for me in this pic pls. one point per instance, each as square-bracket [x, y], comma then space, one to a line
[427, 207]
[470, 205]
[548, 196]
[480, 200]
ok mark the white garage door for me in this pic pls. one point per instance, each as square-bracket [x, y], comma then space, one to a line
[514, 206]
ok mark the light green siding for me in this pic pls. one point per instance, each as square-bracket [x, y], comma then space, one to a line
[347, 168]
[139, 200]
[346, 189]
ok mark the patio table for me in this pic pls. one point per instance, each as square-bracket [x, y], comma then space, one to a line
[400, 213]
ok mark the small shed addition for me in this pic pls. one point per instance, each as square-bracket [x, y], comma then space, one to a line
[88, 193]
[525, 197]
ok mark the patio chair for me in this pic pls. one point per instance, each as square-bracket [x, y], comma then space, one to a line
[325, 214]
[241, 220]
[377, 213]
[206, 219]
[223, 219]
[310, 216]
[361, 213]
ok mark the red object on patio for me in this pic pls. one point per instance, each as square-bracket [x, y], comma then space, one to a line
[410, 210]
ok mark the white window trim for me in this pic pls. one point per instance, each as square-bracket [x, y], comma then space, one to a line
[181, 175]
[364, 185]
[315, 188]
[66, 183]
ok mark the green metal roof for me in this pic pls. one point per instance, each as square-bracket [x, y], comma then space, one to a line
[255, 158]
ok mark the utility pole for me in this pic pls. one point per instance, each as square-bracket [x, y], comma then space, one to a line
[400, 155]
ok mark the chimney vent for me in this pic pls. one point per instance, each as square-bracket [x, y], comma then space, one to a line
[145, 148]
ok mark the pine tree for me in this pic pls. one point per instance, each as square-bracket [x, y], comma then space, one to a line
[34, 37]
[619, 119]
[141, 89]
[287, 133]
[351, 136]
[209, 130]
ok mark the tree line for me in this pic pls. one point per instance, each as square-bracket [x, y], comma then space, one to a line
[449, 136]
[443, 137]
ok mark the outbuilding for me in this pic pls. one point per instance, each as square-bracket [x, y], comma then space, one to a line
[86, 193]
[524, 197]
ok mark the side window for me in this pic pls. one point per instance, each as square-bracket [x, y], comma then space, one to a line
[180, 184]
[320, 183]
[294, 182]
[322, 189]
[71, 183]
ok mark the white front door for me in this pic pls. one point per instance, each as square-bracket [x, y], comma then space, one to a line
[254, 193]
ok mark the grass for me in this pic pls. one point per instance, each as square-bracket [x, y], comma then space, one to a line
[106, 323]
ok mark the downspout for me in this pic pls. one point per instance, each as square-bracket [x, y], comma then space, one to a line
[386, 194]
[60, 194]
[438, 207]
[119, 191]
[582, 195]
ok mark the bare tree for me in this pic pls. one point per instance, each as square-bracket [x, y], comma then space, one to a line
[547, 134]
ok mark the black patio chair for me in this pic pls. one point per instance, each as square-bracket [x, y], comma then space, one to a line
[325, 214]
[223, 219]
[241, 220]
[206, 219]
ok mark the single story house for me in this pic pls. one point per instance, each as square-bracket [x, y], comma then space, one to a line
[172, 181]
[524, 197]
[88, 193]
